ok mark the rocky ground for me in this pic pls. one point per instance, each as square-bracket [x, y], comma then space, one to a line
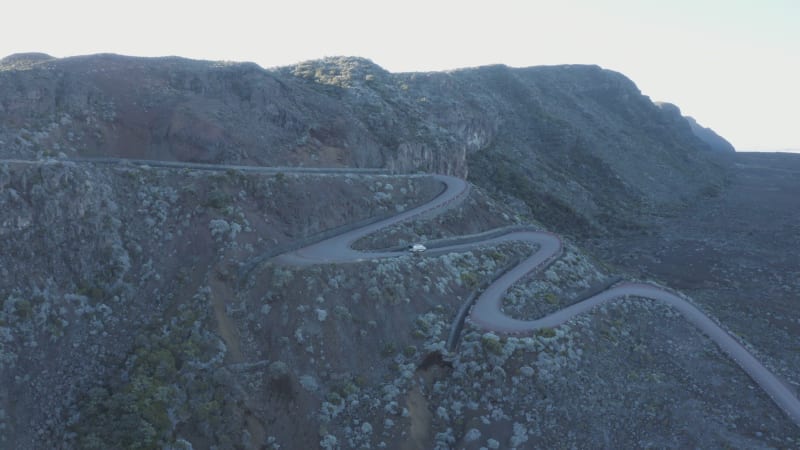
[106, 278]
[729, 252]
[644, 352]
[176, 349]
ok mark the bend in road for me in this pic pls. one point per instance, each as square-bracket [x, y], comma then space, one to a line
[486, 311]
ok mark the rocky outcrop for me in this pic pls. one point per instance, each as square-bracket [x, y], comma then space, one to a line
[23, 61]
[707, 135]
[710, 137]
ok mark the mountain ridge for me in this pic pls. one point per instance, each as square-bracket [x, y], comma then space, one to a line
[140, 308]
[564, 134]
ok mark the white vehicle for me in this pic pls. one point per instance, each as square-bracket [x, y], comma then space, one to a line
[417, 248]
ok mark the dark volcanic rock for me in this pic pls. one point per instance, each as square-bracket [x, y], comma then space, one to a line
[137, 309]
[572, 142]
[707, 135]
[717, 142]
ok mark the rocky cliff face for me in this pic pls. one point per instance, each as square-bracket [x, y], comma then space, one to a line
[710, 137]
[573, 142]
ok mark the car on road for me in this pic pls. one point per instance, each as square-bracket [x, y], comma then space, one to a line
[417, 248]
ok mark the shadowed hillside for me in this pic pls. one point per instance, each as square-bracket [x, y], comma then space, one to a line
[580, 145]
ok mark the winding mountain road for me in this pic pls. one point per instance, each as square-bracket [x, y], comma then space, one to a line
[486, 312]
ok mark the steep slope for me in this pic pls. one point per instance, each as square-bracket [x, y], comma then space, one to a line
[710, 137]
[160, 108]
[734, 253]
[115, 286]
[573, 142]
[707, 135]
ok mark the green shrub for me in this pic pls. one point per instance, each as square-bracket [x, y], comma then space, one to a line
[388, 349]
[23, 309]
[546, 332]
[334, 398]
[469, 279]
[217, 199]
[349, 388]
[134, 413]
[492, 345]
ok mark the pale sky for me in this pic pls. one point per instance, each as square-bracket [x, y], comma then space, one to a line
[734, 65]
